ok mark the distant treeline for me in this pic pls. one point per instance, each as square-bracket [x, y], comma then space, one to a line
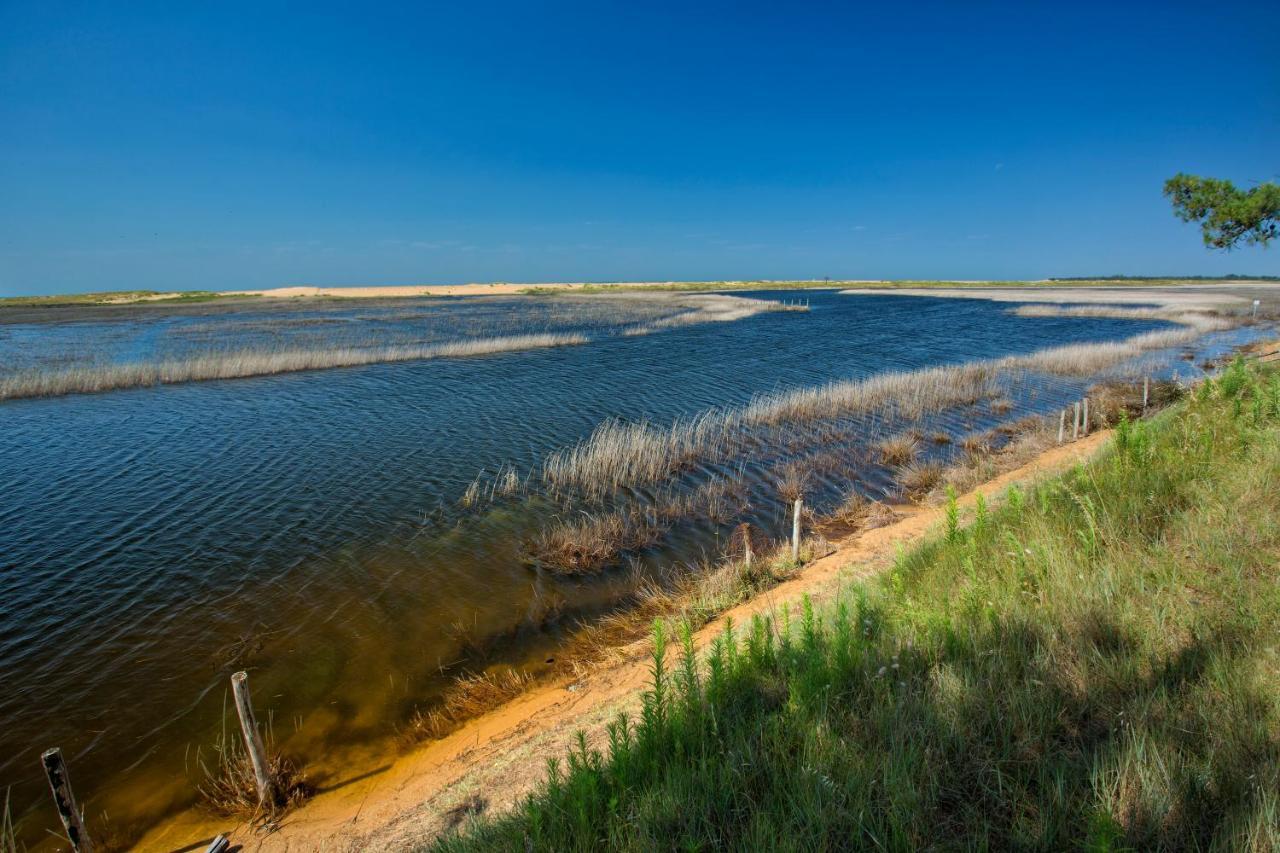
[1231, 277]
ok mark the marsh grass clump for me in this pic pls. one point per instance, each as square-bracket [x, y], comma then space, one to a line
[589, 543]
[1099, 643]
[793, 481]
[917, 479]
[468, 697]
[898, 450]
[1111, 400]
[975, 443]
[1027, 438]
[230, 787]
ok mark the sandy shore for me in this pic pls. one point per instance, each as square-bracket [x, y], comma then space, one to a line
[493, 761]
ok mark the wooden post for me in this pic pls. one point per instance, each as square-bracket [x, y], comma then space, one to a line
[1084, 425]
[746, 545]
[795, 531]
[252, 740]
[65, 801]
[1075, 422]
[1062, 425]
[1146, 392]
[221, 844]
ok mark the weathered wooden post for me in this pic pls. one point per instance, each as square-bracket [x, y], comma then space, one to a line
[252, 739]
[1062, 425]
[1146, 392]
[1075, 422]
[1085, 422]
[746, 546]
[221, 844]
[65, 801]
[795, 531]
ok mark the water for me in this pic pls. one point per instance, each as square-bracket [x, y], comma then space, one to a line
[307, 526]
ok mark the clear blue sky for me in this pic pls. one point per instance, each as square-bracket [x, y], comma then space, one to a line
[221, 145]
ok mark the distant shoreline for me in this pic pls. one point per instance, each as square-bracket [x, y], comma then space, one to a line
[308, 292]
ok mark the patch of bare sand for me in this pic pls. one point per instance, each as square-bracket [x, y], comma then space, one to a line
[491, 763]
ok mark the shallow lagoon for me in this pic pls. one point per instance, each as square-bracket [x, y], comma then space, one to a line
[307, 526]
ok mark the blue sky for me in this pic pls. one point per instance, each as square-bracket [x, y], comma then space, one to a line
[228, 145]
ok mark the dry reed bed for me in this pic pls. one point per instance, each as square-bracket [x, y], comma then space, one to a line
[242, 364]
[1204, 321]
[621, 454]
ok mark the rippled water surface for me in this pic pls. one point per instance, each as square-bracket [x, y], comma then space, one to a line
[307, 526]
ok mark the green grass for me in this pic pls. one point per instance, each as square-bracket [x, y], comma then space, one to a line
[1091, 665]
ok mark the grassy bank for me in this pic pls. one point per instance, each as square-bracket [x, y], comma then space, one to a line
[1092, 664]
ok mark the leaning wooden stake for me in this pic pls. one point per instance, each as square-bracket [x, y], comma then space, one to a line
[795, 532]
[252, 740]
[1075, 423]
[65, 801]
[1062, 425]
[1084, 421]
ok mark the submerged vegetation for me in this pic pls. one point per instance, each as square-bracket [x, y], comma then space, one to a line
[1088, 665]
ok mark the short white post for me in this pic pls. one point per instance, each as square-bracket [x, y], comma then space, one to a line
[252, 739]
[1062, 425]
[747, 556]
[1085, 425]
[1146, 392]
[65, 801]
[795, 531]
[1255, 308]
[1075, 422]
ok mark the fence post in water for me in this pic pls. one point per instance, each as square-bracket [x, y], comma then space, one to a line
[1062, 425]
[252, 740]
[1085, 418]
[1146, 392]
[1075, 422]
[795, 531]
[65, 801]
